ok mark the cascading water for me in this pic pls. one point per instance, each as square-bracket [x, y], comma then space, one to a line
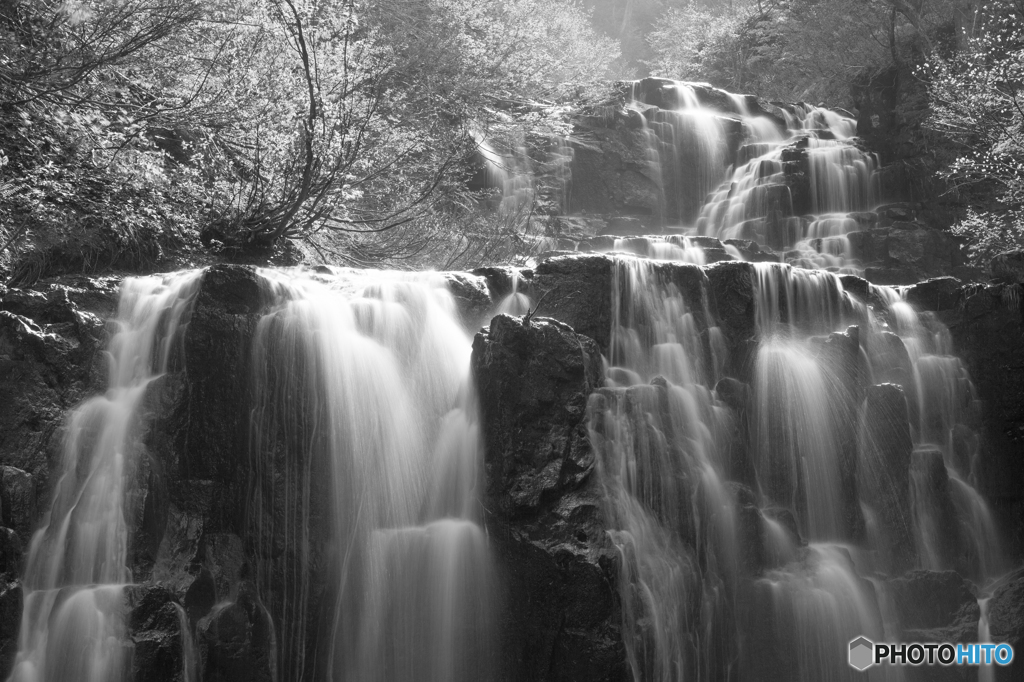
[687, 152]
[660, 452]
[733, 562]
[757, 203]
[72, 625]
[792, 179]
[363, 392]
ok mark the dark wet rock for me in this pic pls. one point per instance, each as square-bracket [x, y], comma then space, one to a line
[732, 295]
[856, 286]
[943, 528]
[18, 500]
[750, 533]
[499, 280]
[868, 218]
[12, 554]
[196, 452]
[890, 363]
[937, 294]
[626, 226]
[611, 174]
[577, 290]
[785, 518]
[1008, 266]
[225, 560]
[905, 254]
[753, 252]
[531, 381]
[1006, 623]
[11, 603]
[471, 296]
[767, 652]
[733, 393]
[988, 334]
[966, 445]
[736, 395]
[543, 513]
[201, 596]
[840, 354]
[884, 471]
[155, 634]
[891, 213]
[211, 417]
[51, 357]
[236, 641]
[935, 606]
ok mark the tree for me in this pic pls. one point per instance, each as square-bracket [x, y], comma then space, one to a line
[977, 101]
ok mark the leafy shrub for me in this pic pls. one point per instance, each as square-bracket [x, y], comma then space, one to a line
[987, 234]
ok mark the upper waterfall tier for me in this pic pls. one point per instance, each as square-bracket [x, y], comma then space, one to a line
[731, 166]
[784, 182]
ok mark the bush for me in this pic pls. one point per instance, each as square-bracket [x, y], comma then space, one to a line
[986, 235]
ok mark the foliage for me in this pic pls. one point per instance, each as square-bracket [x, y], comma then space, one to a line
[987, 234]
[333, 121]
[977, 98]
[790, 49]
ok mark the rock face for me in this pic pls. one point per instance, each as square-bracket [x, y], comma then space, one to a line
[611, 174]
[577, 291]
[988, 333]
[51, 340]
[906, 252]
[237, 641]
[1006, 623]
[1008, 267]
[935, 606]
[543, 502]
[155, 631]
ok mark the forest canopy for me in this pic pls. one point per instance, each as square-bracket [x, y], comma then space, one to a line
[246, 123]
[132, 129]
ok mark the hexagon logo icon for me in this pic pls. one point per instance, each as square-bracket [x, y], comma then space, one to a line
[862, 653]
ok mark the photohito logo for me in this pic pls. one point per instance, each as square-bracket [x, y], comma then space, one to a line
[864, 653]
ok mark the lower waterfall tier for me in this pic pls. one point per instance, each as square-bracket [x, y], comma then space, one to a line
[724, 471]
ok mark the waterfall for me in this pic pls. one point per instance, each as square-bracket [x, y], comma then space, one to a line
[753, 521]
[363, 399]
[791, 177]
[72, 625]
[757, 203]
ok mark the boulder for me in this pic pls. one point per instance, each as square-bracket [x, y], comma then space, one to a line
[18, 500]
[935, 606]
[532, 376]
[472, 297]
[731, 291]
[11, 603]
[12, 554]
[1006, 623]
[936, 294]
[155, 622]
[543, 513]
[236, 641]
[578, 291]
